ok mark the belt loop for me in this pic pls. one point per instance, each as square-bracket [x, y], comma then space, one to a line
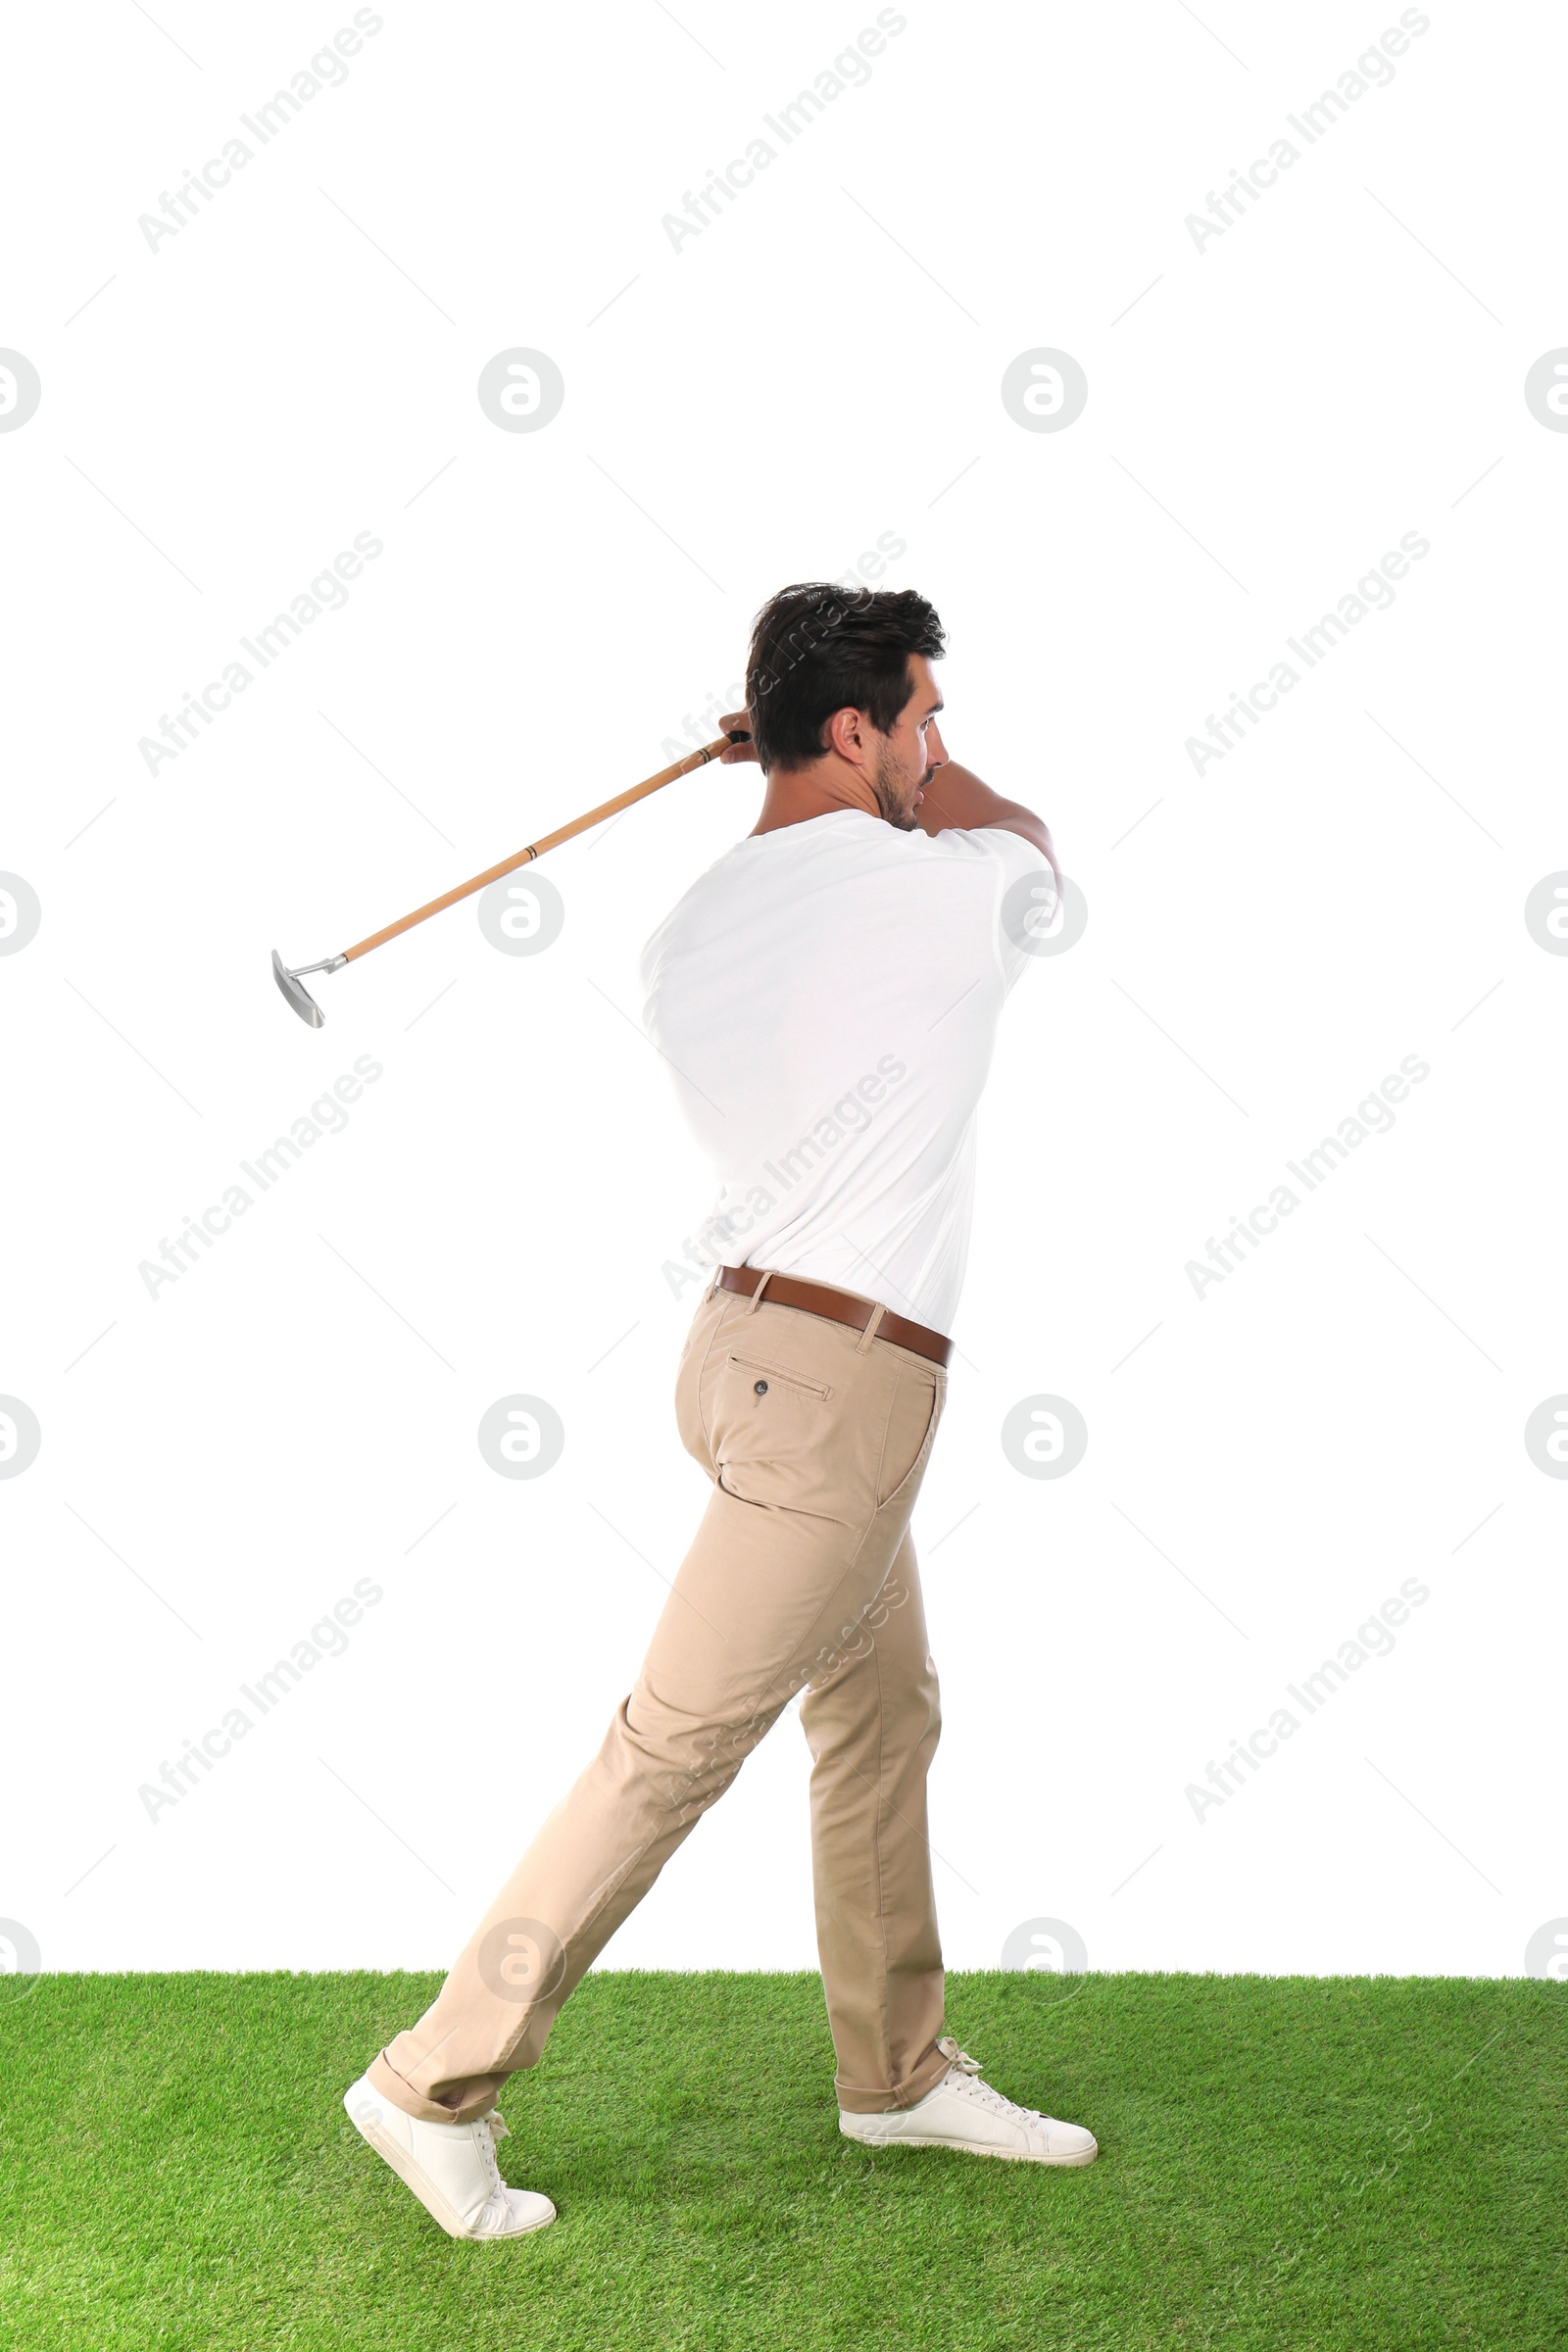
[870, 1331]
[755, 1299]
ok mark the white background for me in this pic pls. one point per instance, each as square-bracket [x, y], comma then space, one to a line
[821, 365]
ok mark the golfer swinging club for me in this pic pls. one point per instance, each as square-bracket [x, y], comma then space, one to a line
[838, 971]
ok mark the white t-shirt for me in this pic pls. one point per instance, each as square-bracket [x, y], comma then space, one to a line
[826, 998]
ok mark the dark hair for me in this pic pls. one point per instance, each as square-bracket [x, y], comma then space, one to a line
[820, 647]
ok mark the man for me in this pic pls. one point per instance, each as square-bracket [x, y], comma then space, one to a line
[827, 997]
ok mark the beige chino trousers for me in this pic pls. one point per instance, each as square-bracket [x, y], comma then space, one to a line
[802, 1577]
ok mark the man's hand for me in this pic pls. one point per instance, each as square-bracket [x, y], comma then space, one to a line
[737, 751]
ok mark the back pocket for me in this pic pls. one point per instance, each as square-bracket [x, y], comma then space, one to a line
[781, 1372]
[775, 1436]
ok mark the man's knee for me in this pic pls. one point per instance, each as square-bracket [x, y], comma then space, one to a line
[694, 1757]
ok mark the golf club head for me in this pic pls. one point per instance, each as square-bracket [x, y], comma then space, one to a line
[296, 994]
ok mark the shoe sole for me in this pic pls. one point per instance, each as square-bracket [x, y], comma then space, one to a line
[969, 2147]
[424, 2189]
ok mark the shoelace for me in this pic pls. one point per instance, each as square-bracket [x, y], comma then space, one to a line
[967, 2069]
[485, 2144]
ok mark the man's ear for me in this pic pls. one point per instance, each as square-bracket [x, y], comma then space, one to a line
[846, 736]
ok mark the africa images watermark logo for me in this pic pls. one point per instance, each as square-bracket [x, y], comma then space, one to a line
[1546, 1436]
[21, 1435]
[743, 1203]
[1373, 1639]
[1042, 920]
[1373, 1115]
[701, 726]
[1052, 1951]
[1051, 1945]
[327, 1115]
[1373, 593]
[21, 914]
[21, 390]
[20, 1962]
[1545, 913]
[326, 593]
[522, 389]
[849, 69]
[522, 913]
[1545, 1955]
[522, 1437]
[328, 1638]
[1373, 70]
[521, 1960]
[327, 70]
[1546, 390]
[1044, 390]
[1045, 1436]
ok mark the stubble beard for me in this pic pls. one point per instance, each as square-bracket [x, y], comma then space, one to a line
[886, 779]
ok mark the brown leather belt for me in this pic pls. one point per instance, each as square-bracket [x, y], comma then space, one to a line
[837, 1307]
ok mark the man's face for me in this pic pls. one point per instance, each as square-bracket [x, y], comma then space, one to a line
[904, 758]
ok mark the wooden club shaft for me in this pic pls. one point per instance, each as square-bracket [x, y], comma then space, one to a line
[537, 849]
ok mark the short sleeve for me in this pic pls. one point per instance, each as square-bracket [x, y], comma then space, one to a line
[1025, 905]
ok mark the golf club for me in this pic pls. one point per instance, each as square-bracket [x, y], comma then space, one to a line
[300, 996]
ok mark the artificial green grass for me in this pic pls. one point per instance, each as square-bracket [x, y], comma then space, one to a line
[1307, 2165]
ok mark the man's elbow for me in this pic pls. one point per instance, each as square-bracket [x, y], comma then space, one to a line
[1033, 830]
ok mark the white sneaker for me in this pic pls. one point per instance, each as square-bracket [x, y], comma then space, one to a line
[451, 2168]
[962, 2111]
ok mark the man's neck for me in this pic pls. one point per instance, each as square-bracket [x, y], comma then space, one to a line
[795, 795]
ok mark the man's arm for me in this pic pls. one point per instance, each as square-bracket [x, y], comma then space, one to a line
[953, 796]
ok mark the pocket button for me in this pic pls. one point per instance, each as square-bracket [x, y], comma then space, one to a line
[759, 1388]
